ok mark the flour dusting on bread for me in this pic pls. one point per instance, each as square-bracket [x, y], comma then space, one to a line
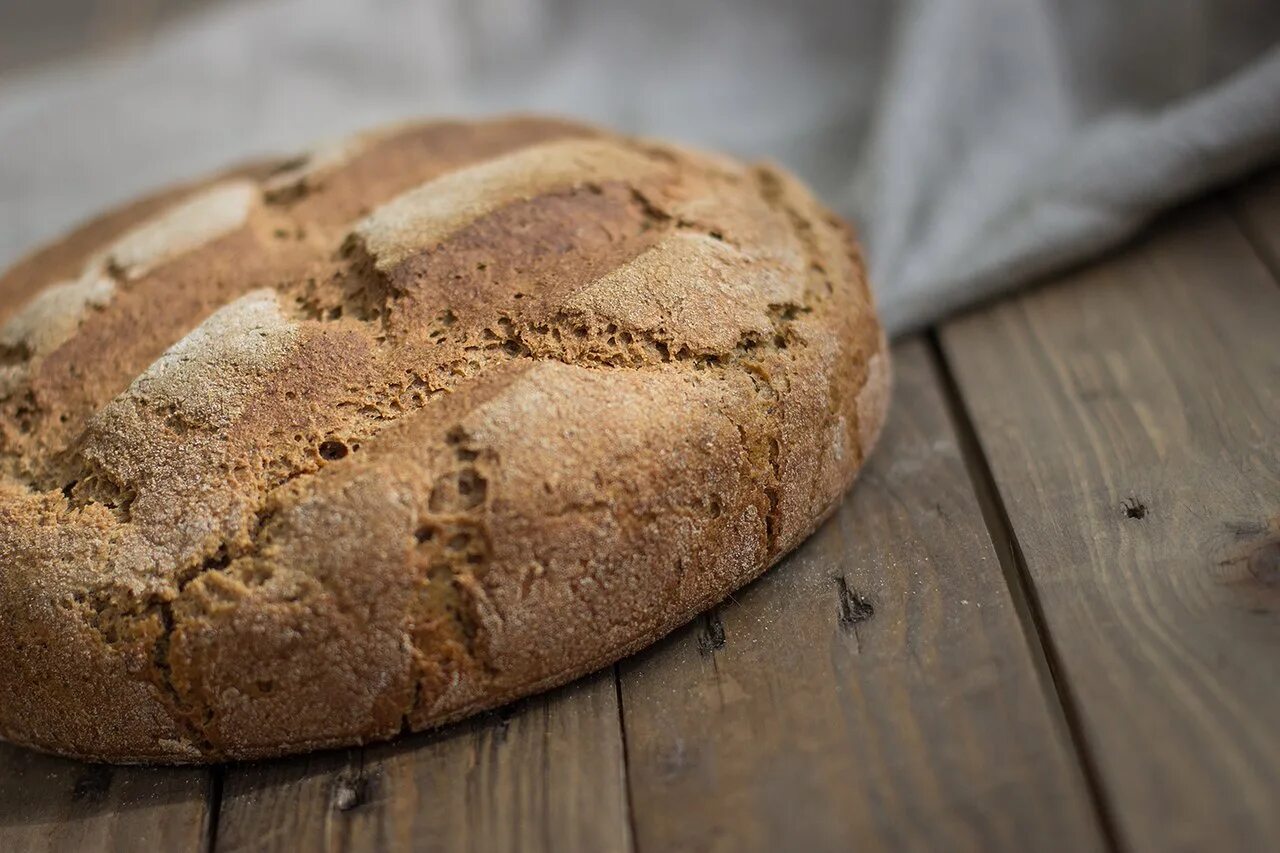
[51, 317]
[709, 295]
[210, 374]
[46, 322]
[423, 217]
[192, 223]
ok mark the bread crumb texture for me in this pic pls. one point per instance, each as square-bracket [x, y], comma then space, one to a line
[313, 453]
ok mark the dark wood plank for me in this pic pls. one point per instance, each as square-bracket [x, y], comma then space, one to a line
[1130, 415]
[874, 691]
[53, 804]
[544, 775]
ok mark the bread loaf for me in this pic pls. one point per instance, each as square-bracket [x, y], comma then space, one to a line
[313, 453]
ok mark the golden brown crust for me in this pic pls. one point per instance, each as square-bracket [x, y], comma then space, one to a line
[432, 419]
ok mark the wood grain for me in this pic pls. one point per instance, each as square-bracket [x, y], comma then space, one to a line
[874, 691]
[544, 775]
[1130, 415]
[53, 804]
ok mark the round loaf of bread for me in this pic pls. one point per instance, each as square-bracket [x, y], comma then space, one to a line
[313, 453]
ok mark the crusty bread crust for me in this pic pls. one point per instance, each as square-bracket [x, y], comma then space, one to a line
[425, 421]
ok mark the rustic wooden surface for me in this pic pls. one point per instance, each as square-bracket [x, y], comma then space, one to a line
[544, 775]
[1047, 617]
[53, 804]
[1131, 418]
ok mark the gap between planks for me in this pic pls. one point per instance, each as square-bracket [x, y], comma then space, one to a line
[626, 758]
[1057, 692]
[215, 808]
[1125, 412]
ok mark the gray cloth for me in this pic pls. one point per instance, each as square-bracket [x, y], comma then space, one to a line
[978, 143]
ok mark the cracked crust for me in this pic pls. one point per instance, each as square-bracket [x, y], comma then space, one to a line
[313, 454]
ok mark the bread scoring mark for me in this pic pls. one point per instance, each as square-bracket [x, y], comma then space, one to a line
[424, 217]
[208, 377]
[297, 175]
[47, 322]
[706, 294]
[52, 317]
[195, 222]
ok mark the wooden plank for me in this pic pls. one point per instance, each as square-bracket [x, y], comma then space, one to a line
[52, 804]
[1257, 208]
[544, 775]
[875, 691]
[1130, 415]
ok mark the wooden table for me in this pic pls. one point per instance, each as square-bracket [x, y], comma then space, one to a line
[1046, 618]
